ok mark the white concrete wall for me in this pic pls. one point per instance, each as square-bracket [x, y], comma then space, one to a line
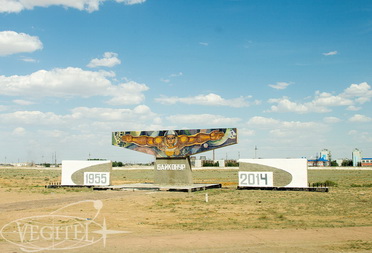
[296, 167]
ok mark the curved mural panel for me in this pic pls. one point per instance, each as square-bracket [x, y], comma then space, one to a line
[175, 143]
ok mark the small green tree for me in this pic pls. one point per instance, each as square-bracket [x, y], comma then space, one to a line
[347, 163]
[334, 163]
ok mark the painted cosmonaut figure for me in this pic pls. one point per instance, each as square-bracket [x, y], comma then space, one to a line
[171, 143]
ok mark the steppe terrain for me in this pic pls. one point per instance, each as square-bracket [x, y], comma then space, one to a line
[231, 220]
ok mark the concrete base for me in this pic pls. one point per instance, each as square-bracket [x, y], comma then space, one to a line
[157, 187]
[171, 171]
[306, 189]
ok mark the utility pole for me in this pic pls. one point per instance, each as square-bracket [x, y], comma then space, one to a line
[255, 152]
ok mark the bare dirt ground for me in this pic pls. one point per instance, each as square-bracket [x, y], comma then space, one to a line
[126, 211]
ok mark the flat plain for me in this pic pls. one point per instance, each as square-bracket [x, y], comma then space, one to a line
[230, 221]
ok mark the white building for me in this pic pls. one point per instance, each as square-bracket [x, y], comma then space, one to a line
[325, 154]
[357, 157]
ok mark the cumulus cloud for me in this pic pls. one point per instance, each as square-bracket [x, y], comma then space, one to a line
[285, 105]
[262, 121]
[111, 114]
[202, 119]
[360, 118]
[323, 101]
[109, 60]
[287, 129]
[331, 120]
[210, 99]
[362, 92]
[12, 43]
[86, 5]
[80, 116]
[72, 82]
[330, 53]
[353, 108]
[280, 85]
[57, 83]
[23, 102]
[32, 118]
[274, 123]
[127, 93]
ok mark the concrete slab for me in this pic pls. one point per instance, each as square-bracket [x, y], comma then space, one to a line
[156, 187]
[307, 189]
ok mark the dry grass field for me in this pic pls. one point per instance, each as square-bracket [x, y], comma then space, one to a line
[231, 220]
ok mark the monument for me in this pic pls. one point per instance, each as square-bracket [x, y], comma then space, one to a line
[275, 174]
[173, 148]
[86, 173]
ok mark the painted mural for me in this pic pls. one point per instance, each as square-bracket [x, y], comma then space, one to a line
[175, 143]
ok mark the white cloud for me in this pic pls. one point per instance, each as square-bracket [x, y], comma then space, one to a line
[165, 80]
[23, 102]
[260, 121]
[127, 93]
[360, 118]
[322, 101]
[210, 99]
[32, 118]
[110, 114]
[203, 43]
[285, 105]
[72, 82]
[19, 131]
[362, 92]
[246, 132]
[81, 119]
[361, 137]
[353, 108]
[12, 43]
[28, 59]
[263, 121]
[330, 53]
[202, 119]
[86, 5]
[327, 99]
[331, 120]
[109, 60]
[131, 2]
[176, 74]
[56, 83]
[171, 76]
[280, 85]
[288, 129]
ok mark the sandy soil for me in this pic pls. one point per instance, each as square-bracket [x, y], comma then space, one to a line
[142, 238]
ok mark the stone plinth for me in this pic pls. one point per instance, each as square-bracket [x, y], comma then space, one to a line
[168, 171]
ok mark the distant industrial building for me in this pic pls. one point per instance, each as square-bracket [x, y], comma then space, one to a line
[366, 162]
[319, 162]
[357, 157]
[323, 160]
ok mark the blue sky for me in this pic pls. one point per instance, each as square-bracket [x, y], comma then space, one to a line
[293, 76]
